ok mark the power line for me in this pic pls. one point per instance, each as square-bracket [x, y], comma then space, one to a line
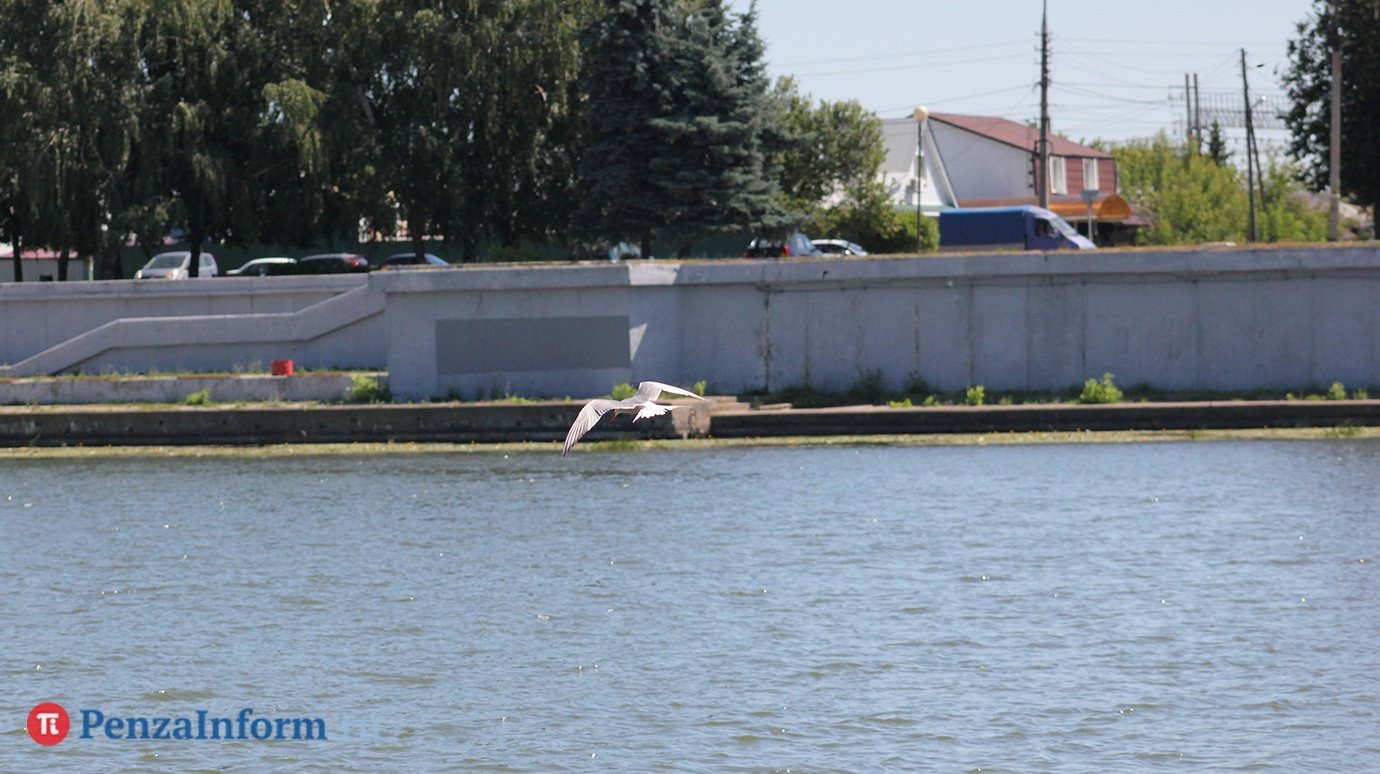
[926, 52]
[913, 66]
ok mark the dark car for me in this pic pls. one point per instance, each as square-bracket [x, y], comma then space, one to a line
[796, 244]
[266, 267]
[409, 260]
[333, 263]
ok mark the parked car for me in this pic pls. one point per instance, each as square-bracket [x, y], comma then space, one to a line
[266, 267]
[839, 247]
[1007, 228]
[795, 244]
[333, 263]
[408, 260]
[175, 266]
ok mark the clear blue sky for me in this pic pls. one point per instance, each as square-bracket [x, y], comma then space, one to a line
[1117, 67]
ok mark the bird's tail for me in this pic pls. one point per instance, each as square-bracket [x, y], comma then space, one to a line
[653, 410]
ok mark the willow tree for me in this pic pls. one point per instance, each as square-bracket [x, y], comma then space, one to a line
[223, 125]
[25, 37]
[518, 157]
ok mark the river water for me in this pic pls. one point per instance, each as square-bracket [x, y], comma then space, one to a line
[1013, 608]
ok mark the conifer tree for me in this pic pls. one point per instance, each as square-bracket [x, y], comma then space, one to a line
[676, 117]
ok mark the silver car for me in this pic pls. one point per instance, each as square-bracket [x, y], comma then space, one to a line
[174, 266]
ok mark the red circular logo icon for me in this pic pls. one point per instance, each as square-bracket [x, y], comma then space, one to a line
[48, 723]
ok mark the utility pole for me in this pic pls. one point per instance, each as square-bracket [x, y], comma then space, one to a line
[1334, 143]
[1042, 174]
[1250, 143]
[1197, 116]
[1188, 112]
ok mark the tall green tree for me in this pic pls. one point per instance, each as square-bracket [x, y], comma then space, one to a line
[828, 156]
[1353, 25]
[1192, 198]
[518, 159]
[25, 38]
[677, 117]
[626, 79]
[89, 130]
[830, 151]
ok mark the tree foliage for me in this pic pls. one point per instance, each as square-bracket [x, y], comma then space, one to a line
[1192, 198]
[828, 157]
[485, 122]
[1352, 24]
[676, 126]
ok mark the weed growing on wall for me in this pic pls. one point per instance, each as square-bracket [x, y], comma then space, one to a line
[199, 398]
[975, 396]
[366, 389]
[1100, 391]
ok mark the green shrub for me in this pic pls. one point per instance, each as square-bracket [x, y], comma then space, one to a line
[975, 396]
[918, 386]
[1360, 393]
[366, 389]
[869, 389]
[199, 398]
[930, 400]
[1336, 392]
[1100, 391]
[903, 403]
[700, 387]
[622, 391]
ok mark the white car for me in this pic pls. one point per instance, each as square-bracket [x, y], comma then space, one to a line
[174, 266]
[839, 247]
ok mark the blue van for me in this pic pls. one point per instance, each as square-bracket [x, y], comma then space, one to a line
[1007, 228]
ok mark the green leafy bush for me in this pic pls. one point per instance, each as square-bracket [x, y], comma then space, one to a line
[1336, 392]
[1100, 391]
[366, 389]
[975, 396]
[622, 391]
[199, 398]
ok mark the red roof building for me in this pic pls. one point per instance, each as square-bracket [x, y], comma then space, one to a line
[991, 162]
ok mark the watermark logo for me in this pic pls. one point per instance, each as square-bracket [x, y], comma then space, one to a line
[48, 723]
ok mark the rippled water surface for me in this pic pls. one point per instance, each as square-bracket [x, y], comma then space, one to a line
[1016, 608]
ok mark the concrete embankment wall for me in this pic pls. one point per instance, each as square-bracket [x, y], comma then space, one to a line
[1228, 319]
[1193, 319]
[212, 324]
[324, 388]
[326, 424]
[549, 422]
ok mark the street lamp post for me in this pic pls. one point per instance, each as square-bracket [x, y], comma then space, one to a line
[920, 115]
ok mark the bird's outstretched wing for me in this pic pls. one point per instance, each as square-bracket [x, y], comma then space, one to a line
[588, 417]
[649, 391]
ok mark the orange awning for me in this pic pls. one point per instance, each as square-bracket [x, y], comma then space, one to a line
[1109, 208]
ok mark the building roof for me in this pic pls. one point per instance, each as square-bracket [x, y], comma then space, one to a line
[1017, 134]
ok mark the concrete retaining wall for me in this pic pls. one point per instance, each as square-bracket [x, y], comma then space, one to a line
[328, 424]
[324, 388]
[1194, 319]
[1230, 319]
[212, 324]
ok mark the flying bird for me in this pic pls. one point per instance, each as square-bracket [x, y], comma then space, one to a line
[640, 403]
